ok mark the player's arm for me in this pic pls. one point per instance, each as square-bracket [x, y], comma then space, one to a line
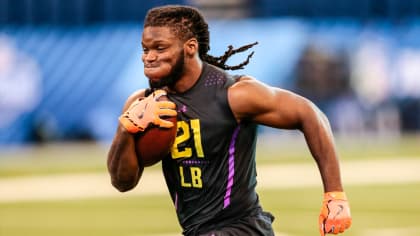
[139, 112]
[252, 100]
[122, 162]
[275, 107]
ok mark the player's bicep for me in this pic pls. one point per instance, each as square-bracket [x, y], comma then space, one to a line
[263, 104]
[284, 109]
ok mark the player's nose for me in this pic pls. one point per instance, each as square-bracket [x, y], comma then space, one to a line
[149, 56]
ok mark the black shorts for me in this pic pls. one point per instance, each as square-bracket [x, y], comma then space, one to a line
[256, 225]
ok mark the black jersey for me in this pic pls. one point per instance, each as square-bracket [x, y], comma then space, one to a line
[210, 172]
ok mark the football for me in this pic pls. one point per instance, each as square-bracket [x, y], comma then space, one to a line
[155, 143]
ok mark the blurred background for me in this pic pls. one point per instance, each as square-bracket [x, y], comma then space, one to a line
[66, 68]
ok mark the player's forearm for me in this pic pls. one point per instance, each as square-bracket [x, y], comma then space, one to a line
[319, 138]
[122, 161]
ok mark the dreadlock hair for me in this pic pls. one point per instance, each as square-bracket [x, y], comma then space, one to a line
[187, 22]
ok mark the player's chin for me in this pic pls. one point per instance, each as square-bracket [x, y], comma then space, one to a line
[156, 82]
[154, 74]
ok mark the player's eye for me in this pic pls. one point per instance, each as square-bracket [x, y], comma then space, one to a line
[161, 48]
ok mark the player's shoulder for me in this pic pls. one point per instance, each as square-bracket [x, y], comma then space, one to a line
[241, 82]
[245, 95]
[244, 78]
[134, 96]
[244, 85]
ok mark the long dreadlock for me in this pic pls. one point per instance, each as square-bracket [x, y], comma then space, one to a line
[187, 22]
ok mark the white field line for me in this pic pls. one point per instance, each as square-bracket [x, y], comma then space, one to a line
[72, 186]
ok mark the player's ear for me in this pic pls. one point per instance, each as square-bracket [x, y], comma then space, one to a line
[191, 46]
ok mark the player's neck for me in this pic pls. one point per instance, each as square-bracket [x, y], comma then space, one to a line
[190, 76]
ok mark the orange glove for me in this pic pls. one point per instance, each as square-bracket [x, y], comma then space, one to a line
[146, 111]
[335, 213]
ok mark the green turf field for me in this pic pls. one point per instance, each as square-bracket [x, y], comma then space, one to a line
[296, 211]
[384, 209]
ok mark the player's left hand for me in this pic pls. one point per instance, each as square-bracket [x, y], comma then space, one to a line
[335, 213]
[146, 111]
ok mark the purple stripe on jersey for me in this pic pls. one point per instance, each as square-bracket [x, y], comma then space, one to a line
[176, 201]
[231, 172]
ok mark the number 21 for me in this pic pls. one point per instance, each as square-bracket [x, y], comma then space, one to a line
[186, 129]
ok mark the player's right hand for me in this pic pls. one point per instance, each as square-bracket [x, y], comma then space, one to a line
[146, 111]
[335, 213]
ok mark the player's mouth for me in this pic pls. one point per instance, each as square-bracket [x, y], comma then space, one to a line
[151, 68]
[153, 71]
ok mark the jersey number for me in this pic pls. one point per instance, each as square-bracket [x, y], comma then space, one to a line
[185, 129]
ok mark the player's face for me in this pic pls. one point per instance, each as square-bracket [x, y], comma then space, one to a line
[163, 56]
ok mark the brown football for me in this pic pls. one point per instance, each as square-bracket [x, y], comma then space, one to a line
[155, 143]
